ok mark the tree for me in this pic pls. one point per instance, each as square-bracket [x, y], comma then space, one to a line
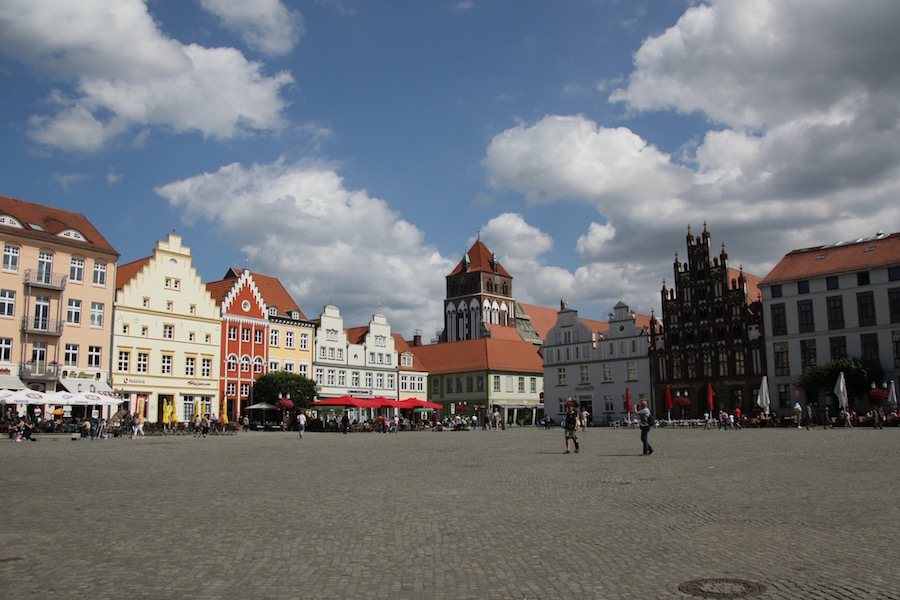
[279, 384]
[821, 378]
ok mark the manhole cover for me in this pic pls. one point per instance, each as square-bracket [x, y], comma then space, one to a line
[721, 587]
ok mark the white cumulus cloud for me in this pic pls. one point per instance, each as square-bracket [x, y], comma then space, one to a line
[264, 25]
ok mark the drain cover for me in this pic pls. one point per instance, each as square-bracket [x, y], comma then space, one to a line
[722, 588]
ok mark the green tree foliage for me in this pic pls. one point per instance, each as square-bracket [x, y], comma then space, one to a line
[822, 378]
[279, 384]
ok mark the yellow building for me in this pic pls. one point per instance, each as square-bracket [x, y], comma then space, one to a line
[166, 336]
[57, 285]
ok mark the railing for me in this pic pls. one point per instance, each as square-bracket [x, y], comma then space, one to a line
[38, 370]
[43, 326]
[38, 278]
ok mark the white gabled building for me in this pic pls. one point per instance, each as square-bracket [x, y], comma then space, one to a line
[597, 364]
[359, 361]
[167, 329]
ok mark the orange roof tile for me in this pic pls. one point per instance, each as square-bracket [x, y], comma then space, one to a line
[46, 223]
[480, 355]
[125, 272]
[843, 257]
[356, 335]
[542, 318]
[502, 332]
[270, 288]
[403, 346]
[479, 260]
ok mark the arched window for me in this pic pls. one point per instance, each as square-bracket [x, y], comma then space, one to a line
[245, 364]
[258, 364]
[232, 363]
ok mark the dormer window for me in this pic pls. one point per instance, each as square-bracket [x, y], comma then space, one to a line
[72, 234]
[10, 221]
[273, 311]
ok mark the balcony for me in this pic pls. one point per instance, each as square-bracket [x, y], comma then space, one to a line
[39, 370]
[41, 279]
[42, 326]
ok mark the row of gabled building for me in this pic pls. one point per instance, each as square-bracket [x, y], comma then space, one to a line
[153, 331]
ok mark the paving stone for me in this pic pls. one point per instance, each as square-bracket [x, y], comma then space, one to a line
[506, 515]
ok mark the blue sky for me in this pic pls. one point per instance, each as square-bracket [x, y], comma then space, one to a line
[355, 149]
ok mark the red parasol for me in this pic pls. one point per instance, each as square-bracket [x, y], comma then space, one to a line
[287, 404]
[709, 397]
[668, 398]
[627, 400]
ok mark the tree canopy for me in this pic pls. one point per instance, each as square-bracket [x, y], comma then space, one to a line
[280, 384]
[822, 378]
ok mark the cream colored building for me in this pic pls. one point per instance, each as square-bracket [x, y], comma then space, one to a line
[167, 336]
[57, 285]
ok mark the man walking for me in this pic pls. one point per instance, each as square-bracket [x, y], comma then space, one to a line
[646, 423]
[301, 423]
[571, 426]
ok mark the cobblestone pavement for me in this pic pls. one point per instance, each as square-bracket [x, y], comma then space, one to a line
[781, 513]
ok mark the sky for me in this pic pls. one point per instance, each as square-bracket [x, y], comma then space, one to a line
[356, 149]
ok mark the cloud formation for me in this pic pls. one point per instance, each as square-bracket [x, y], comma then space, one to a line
[264, 25]
[803, 147]
[299, 223]
[121, 73]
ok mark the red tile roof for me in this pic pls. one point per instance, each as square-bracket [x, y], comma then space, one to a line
[752, 281]
[125, 272]
[479, 260]
[52, 221]
[356, 335]
[542, 318]
[270, 288]
[843, 257]
[403, 346]
[480, 355]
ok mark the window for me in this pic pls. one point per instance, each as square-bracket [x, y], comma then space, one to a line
[805, 316]
[76, 270]
[331, 335]
[95, 356]
[172, 284]
[435, 386]
[125, 329]
[190, 365]
[832, 282]
[245, 390]
[560, 377]
[143, 362]
[96, 314]
[45, 267]
[191, 336]
[7, 303]
[895, 338]
[245, 334]
[533, 387]
[304, 341]
[146, 302]
[6, 349]
[289, 339]
[609, 403]
[274, 335]
[893, 273]
[585, 374]
[166, 364]
[99, 273]
[232, 333]
[206, 367]
[170, 306]
[803, 286]
[865, 302]
[231, 389]
[379, 381]
[10, 258]
[776, 291]
[245, 364]
[894, 304]
[274, 364]
[782, 364]
[192, 309]
[838, 347]
[342, 375]
[258, 364]
[807, 354]
[497, 382]
[258, 336]
[521, 387]
[145, 331]
[862, 278]
[868, 344]
[231, 363]
[368, 379]
[406, 361]
[70, 356]
[607, 374]
[835, 306]
[380, 341]
[168, 332]
[124, 361]
[779, 320]
[631, 367]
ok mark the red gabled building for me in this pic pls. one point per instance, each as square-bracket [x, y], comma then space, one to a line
[244, 338]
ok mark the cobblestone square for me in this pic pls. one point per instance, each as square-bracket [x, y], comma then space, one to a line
[780, 513]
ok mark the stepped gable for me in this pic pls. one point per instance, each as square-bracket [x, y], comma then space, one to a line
[125, 273]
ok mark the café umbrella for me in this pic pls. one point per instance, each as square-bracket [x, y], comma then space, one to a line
[762, 397]
[23, 397]
[840, 390]
[628, 403]
[669, 401]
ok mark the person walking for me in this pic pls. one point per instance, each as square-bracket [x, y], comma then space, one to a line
[345, 422]
[646, 423]
[301, 423]
[571, 426]
[585, 416]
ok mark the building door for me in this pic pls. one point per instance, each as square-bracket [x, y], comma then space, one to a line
[39, 357]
